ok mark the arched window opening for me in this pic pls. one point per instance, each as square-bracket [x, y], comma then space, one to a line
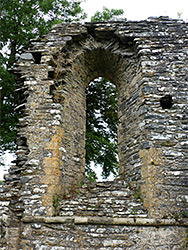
[101, 129]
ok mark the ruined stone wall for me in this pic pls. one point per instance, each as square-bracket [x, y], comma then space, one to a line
[102, 235]
[42, 204]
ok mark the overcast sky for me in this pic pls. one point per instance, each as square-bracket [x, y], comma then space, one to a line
[140, 9]
[134, 10]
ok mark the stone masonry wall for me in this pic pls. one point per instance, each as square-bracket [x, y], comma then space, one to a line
[53, 236]
[43, 204]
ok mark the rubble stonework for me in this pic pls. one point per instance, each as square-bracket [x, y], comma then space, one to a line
[45, 201]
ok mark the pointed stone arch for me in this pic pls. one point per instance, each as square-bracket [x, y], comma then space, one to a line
[85, 61]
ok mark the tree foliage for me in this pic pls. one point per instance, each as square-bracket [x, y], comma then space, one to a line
[106, 14]
[20, 21]
[101, 127]
[8, 115]
[102, 117]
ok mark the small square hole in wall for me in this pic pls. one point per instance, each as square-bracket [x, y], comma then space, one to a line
[166, 102]
[37, 57]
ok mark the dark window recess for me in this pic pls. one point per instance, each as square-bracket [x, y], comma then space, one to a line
[51, 74]
[37, 57]
[52, 89]
[166, 102]
[21, 141]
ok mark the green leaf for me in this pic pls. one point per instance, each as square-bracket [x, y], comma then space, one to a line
[106, 15]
